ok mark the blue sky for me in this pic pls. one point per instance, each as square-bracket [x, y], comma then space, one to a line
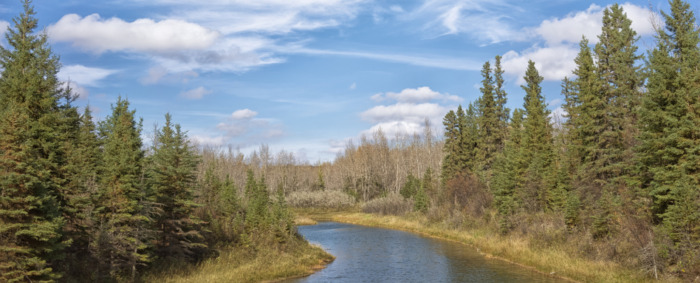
[308, 75]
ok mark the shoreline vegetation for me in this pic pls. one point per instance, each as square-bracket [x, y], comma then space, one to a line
[552, 261]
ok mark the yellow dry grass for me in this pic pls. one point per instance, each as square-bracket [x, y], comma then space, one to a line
[303, 221]
[512, 249]
[255, 264]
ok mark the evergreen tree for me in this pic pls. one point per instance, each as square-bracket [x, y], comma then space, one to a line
[502, 112]
[508, 173]
[451, 149]
[410, 188]
[32, 154]
[489, 124]
[670, 121]
[172, 176]
[609, 127]
[469, 137]
[119, 244]
[421, 202]
[536, 147]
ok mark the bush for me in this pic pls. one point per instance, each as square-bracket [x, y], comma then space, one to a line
[320, 199]
[393, 204]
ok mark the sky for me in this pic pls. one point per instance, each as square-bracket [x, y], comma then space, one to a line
[307, 76]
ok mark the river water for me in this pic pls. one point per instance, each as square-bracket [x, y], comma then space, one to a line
[369, 254]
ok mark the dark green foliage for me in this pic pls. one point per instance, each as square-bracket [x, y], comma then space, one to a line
[488, 141]
[508, 171]
[411, 187]
[537, 148]
[610, 106]
[604, 220]
[452, 146]
[258, 213]
[172, 176]
[32, 153]
[120, 244]
[421, 203]
[571, 211]
[502, 112]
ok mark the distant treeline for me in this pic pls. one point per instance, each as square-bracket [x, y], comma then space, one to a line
[85, 202]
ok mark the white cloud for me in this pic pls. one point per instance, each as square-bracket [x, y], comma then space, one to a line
[205, 140]
[244, 114]
[431, 61]
[420, 94]
[353, 86]
[266, 16]
[3, 26]
[196, 93]
[483, 20]
[98, 35]
[553, 63]
[555, 102]
[161, 74]
[83, 75]
[76, 89]
[404, 112]
[571, 28]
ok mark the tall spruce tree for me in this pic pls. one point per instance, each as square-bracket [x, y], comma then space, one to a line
[172, 175]
[670, 123]
[32, 154]
[489, 125]
[537, 149]
[508, 172]
[609, 130]
[451, 149]
[502, 112]
[118, 244]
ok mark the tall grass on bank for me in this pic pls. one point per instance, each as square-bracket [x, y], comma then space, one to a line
[259, 260]
[320, 199]
[541, 244]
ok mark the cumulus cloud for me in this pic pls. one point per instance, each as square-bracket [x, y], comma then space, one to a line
[84, 75]
[571, 28]
[555, 59]
[553, 63]
[196, 93]
[244, 114]
[98, 35]
[420, 94]
[404, 112]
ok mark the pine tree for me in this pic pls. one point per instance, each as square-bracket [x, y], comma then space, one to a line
[489, 124]
[609, 128]
[502, 112]
[469, 134]
[451, 147]
[421, 202]
[537, 149]
[119, 244]
[410, 188]
[32, 154]
[172, 176]
[508, 173]
[670, 121]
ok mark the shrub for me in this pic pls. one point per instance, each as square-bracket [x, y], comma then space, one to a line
[393, 204]
[320, 199]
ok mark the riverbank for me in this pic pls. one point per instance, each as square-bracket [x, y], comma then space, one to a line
[554, 261]
[256, 262]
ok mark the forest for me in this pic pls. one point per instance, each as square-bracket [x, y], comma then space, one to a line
[614, 180]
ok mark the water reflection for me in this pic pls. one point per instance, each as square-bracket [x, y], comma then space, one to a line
[367, 254]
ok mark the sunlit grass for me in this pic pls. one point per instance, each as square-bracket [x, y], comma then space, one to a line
[264, 261]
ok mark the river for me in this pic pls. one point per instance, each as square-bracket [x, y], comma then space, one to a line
[369, 254]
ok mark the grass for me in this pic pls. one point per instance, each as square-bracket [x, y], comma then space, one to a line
[554, 260]
[262, 262]
[303, 221]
